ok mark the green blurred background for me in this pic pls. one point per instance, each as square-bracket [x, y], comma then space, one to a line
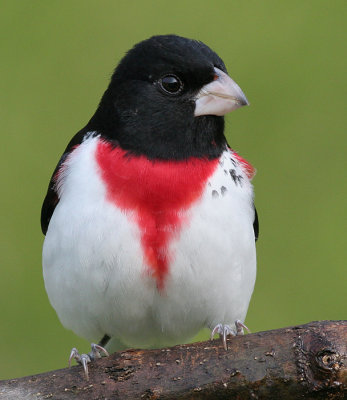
[289, 58]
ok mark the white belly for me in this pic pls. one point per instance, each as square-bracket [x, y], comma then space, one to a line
[96, 277]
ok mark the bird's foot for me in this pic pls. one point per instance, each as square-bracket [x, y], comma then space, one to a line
[84, 359]
[226, 330]
[240, 326]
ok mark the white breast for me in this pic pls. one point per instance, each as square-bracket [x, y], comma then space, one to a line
[94, 269]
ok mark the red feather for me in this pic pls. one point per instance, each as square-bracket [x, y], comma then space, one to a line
[157, 192]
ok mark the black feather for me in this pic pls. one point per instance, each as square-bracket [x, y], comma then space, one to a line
[137, 116]
[256, 224]
[51, 200]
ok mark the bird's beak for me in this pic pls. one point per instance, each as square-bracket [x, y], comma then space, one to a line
[220, 96]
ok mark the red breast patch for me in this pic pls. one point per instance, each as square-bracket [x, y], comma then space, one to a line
[157, 192]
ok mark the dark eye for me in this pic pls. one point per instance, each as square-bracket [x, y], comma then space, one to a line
[170, 84]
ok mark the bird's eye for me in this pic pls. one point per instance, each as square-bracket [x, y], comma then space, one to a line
[170, 84]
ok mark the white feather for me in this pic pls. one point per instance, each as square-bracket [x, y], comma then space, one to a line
[94, 269]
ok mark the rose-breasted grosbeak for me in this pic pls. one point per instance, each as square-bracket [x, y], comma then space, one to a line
[149, 217]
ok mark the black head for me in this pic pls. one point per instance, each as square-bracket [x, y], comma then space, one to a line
[149, 105]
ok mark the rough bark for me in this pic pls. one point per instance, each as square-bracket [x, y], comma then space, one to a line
[306, 361]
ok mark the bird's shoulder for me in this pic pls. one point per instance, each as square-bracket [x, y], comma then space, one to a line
[52, 198]
[248, 172]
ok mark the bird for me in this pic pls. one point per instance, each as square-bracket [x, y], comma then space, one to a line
[149, 217]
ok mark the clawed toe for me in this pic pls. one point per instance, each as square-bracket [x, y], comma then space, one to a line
[84, 359]
[240, 326]
[226, 330]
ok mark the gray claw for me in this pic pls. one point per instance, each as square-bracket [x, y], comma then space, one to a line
[240, 326]
[225, 345]
[96, 351]
[215, 330]
[74, 355]
[224, 331]
[85, 359]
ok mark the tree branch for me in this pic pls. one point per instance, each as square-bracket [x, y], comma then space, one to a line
[306, 361]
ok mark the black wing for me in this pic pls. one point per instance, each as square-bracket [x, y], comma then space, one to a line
[51, 200]
[256, 224]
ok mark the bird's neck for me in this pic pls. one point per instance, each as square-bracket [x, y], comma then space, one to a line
[163, 137]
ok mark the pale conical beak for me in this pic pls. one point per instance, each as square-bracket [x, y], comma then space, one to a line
[219, 96]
